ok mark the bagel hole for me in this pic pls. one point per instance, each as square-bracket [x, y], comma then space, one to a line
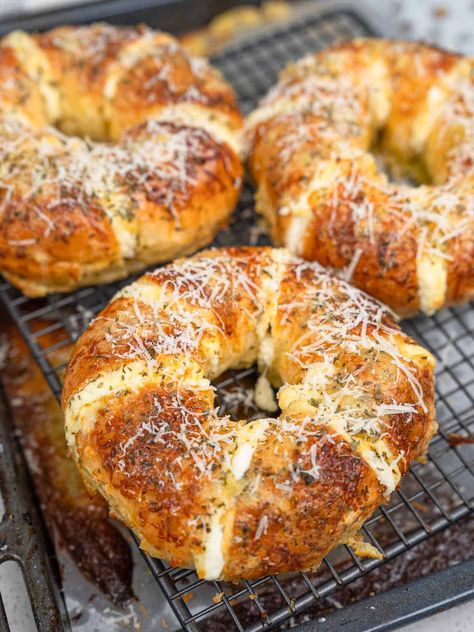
[75, 129]
[398, 169]
[235, 395]
[94, 127]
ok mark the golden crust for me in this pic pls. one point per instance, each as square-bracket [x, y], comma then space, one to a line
[242, 499]
[80, 60]
[18, 87]
[141, 93]
[75, 212]
[301, 527]
[320, 189]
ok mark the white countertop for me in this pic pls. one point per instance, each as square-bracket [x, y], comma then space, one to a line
[447, 23]
[458, 619]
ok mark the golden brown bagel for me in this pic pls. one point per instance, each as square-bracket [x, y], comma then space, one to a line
[236, 499]
[323, 194]
[158, 179]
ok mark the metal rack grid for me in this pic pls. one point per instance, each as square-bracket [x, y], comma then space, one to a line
[432, 496]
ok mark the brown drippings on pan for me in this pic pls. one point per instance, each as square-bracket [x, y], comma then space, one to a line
[79, 521]
[457, 439]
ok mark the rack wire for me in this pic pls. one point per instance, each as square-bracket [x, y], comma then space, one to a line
[432, 496]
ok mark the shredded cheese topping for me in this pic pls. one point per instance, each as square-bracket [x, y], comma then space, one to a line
[172, 329]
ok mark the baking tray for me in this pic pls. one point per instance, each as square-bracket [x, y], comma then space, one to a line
[175, 16]
[433, 495]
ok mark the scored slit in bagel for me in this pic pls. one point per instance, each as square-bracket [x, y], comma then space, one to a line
[117, 150]
[242, 499]
[312, 145]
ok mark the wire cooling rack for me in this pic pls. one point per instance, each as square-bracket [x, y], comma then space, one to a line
[433, 495]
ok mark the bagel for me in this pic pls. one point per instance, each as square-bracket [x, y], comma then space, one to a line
[117, 150]
[242, 499]
[311, 151]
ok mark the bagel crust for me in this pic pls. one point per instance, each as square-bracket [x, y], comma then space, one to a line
[323, 194]
[117, 150]
[242, 499]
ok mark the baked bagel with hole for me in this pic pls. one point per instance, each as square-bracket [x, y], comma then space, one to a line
[315, 144]
[242, 499]
[117, 150]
